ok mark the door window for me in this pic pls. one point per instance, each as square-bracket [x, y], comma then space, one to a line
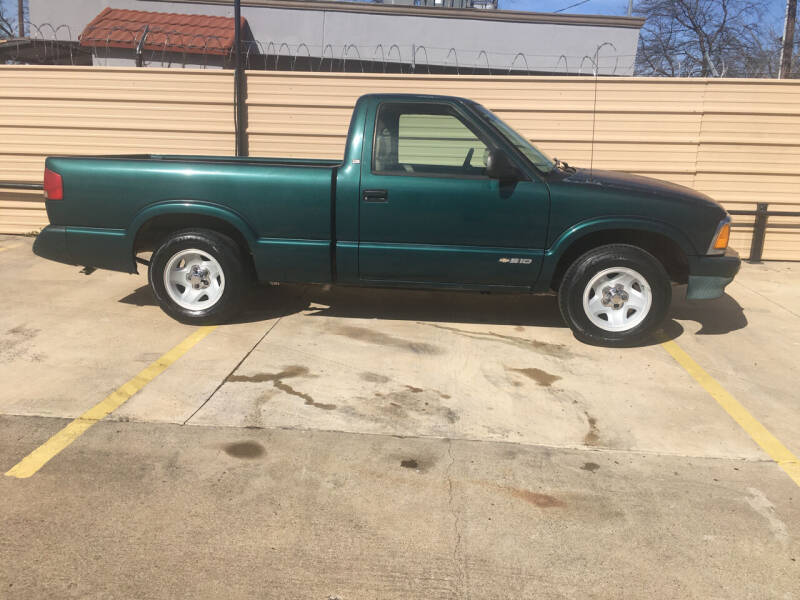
[426, 140]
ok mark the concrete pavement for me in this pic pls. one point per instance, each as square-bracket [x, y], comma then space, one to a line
[381, 443]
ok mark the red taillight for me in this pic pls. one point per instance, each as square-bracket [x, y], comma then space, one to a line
[53, 186]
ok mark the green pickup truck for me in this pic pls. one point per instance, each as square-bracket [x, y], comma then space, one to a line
[433, 192]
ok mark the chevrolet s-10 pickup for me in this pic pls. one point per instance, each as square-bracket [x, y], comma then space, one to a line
[433, 192]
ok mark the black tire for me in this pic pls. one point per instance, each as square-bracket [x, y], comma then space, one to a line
[581, 272]
[231, 261]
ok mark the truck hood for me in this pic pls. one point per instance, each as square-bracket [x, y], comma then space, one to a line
[642, 186]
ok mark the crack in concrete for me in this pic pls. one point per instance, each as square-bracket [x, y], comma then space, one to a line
[239, 364]
[752, 460]
[458, 558]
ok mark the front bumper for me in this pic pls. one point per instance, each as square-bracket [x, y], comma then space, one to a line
[708, 275]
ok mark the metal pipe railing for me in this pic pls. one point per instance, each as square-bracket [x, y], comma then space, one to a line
[18, 185]
[762, 215]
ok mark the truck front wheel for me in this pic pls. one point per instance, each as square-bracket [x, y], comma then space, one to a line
[198, 277]
[615, 295]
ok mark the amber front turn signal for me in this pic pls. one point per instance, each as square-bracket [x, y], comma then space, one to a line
[722, 237]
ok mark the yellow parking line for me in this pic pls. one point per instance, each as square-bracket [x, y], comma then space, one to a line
[39, 457]
[4, 248]
[760, 434]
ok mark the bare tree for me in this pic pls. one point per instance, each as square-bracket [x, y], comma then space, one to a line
[8, 24]
[704, 38]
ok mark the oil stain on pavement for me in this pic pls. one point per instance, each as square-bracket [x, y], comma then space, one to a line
[277, 381]
[535, 498]
[592, 436]
[543, 378]
[382, 339]
[555, 350]
[244, 450]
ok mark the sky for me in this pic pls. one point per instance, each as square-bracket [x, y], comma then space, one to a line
[9, 8]
[9, 5]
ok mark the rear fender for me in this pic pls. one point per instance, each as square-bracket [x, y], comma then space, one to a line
[188, 207]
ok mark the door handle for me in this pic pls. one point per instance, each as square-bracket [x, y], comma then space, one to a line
[376, 196]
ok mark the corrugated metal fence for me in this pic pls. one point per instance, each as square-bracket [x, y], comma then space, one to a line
[737, 140]
[47, 110]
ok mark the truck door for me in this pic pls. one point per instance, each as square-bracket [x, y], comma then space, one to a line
[429, 213]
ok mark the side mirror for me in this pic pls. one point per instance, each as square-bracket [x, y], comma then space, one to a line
[499, 166]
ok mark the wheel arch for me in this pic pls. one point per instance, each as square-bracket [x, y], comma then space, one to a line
[155, 222]
[668, 244]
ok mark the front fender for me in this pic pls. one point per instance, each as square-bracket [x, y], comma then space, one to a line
[584, 228]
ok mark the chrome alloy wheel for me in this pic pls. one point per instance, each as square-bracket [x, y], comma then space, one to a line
[194, 279]
[617, 299]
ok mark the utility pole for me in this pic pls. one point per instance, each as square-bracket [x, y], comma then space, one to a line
[240, 110]
[788, 40]
[21, 18]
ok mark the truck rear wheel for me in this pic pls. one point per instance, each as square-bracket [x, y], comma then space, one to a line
[198, 277]
[615, 295]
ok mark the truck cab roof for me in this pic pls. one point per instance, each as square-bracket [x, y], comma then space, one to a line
[402, 96]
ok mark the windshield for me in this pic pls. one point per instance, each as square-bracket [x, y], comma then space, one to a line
[539, 159]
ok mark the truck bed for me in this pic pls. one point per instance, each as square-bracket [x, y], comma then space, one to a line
[284, 205]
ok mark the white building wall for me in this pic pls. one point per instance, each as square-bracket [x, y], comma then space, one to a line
[469, 42]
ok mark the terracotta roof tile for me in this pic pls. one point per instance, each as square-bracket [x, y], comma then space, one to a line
[192, 34]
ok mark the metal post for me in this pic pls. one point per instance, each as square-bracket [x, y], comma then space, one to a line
[21, 19]
[239, 93]
[630, 8]
[140, 47]
[788, 40]
[759, 233]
